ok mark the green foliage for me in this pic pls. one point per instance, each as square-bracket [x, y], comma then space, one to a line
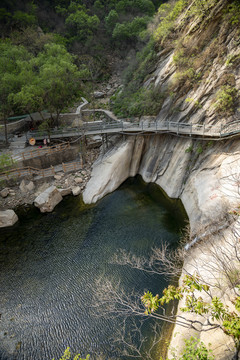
[167, 16]
[81, 25]
[232, 59]
[5, 161]
[180, 59]
[130, 30]
[195, 349]
[233, 11]
[54, 81]
[189, 74]
[14, 62]
[67, 356]
[202, 7]
[225, 99]
[199, 149]
[24, 19]
[111, 20]
[230, 320]
[141, 102]
[135, 6]
[150, 302]
[189, 149]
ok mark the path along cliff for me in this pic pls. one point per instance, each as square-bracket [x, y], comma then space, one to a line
[198, 70]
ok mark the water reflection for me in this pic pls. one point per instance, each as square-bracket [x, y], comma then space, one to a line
[50, 262]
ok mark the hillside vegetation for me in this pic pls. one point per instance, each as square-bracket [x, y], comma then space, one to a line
[190, 64]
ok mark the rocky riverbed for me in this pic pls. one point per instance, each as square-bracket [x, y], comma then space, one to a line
[24, 191]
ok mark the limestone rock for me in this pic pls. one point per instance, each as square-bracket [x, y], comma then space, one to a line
[109, 172]
[76, 190]
[26, 187]
[78, 180]
[57, 177]
[65, 192]
[30, 186]
[98, 94]
[22, 186]
[8, 218]
[4, 193]
[48, 199]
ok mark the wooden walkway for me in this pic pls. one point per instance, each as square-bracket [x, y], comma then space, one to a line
[46, 150]
[144, 127]
[28, 170]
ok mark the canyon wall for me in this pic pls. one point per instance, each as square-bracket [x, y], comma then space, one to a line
[206, 181]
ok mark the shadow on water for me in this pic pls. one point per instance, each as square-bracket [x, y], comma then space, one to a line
[49, 264]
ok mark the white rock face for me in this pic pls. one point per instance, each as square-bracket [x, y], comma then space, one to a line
[76, 190]
[8, 218]
[65, 192]
[48, 199]
[109, 172]
[207, 184]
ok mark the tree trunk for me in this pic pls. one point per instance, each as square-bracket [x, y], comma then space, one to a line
[57, 119]
[5, 130]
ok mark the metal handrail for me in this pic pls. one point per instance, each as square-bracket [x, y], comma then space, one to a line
[170, 126]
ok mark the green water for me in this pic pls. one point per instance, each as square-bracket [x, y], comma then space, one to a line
[50, 263]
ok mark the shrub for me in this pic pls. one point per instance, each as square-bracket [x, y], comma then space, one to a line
[225, 99]
[141, 102]
[195, 349]
[67, 356]
[167, 18]
[130, 30]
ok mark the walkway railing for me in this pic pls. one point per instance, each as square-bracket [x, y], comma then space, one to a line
[92, 128]
[28, 170]
[46, 150]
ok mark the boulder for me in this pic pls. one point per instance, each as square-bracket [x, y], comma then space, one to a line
[65, 192]
[78, 180]
[30, 186]
[57, 177]
[22, 186]
[48, 199]
[26, 187]
[98, 94]
[76, 190]
[8, 218]
[4, 193]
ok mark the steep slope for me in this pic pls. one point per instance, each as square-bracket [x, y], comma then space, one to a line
[198, 74]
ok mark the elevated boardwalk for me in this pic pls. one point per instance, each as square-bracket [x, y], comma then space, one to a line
[215, 132]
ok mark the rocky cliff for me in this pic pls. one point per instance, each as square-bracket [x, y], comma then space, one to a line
[198, 70]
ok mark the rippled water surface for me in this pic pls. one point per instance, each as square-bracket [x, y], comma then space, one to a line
[49, 264]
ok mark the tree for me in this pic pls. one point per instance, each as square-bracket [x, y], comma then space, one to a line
[13, 63]
[67, 356]
[129, 31]
[209, 289]
[54, 84]
[59, 78]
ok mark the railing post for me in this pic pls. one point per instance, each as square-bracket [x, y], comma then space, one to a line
[142, 125]
[203, 129]
[221, 130]
[156, 124]
[168, 125]
[178, 128]
[191, 129]
[122, 125]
